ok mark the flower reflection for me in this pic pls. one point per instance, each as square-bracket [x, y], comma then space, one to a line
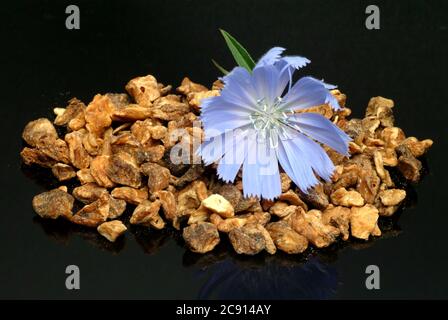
[312, 279]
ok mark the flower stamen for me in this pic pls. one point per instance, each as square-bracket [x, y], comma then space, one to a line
[270, 121]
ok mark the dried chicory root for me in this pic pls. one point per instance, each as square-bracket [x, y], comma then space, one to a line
[119, 149]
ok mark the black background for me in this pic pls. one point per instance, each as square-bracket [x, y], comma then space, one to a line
[43, 65]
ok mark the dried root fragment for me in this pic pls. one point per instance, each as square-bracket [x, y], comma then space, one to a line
[227, 225]
[269, 243]
[282, 209]
[219, 205]
[92, 215]
[392, 137]
[98, 170]
[144, 90]
[92, 144]
[292, 198]
[311, 226]
[131, 112]
[33, 156]
[123, 169]
[98, 114]
[189, 198]
[73, 116]
[79, 157]
[285, 182]
[408, 165]
[116, 207]
[354, 128]
[315, 197]
[370, 124]
[286, 239]
[63, 171]
[42, 135]
[88, 192]
[169, 207]
[131, 195]
[380, 170]
[250, 239]
[416, 147]
[147, 214]
[347, 177]
[53, 204]
[195, 98]
[112, 230]
[201, 237]
[55, 149]
[245, 204]
[158, 176]
[84, 176]
[363, 222]
[231, 193]
[147, 132]
[381, 108]
[338, 217]
[199, 215]
[368, 181]
[342, 197]
[392, 197]
[387, 211]
[389, 157]
[169, 108]
[187, 86]
[258, 217]
[39, 130]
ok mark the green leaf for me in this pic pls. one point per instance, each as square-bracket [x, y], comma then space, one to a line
[224, 71]
[240, 54]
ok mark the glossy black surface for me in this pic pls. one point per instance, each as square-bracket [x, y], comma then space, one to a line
[43, 65]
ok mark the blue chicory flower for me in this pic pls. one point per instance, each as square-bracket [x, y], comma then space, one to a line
[253, 124]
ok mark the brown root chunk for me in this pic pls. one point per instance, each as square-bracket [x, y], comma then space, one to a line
[311, 226]
[112, 230]
[131, 195]
[98, 114]
[286, 239]
[315, 197]
[218, 204]
[79, 157]
[363, 221]
[392, 197]
[342, 197]
[338, 217]
[33, 156]
[98, 170]
[144, 90]
[53, 204]
[63, 171]
[247, 240]
[201, 237]
[147, 214]
[94, 214]
[123, 169]
[88, 192]
[38, 130]
[116, 207]
[158, 176]
[73, 116]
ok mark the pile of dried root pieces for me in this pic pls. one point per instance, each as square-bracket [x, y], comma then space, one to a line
[115, 153]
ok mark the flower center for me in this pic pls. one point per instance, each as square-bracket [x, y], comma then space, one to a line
[270, 121]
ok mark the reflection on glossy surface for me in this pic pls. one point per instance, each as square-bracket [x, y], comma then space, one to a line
[62, 231]
[229, 279]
